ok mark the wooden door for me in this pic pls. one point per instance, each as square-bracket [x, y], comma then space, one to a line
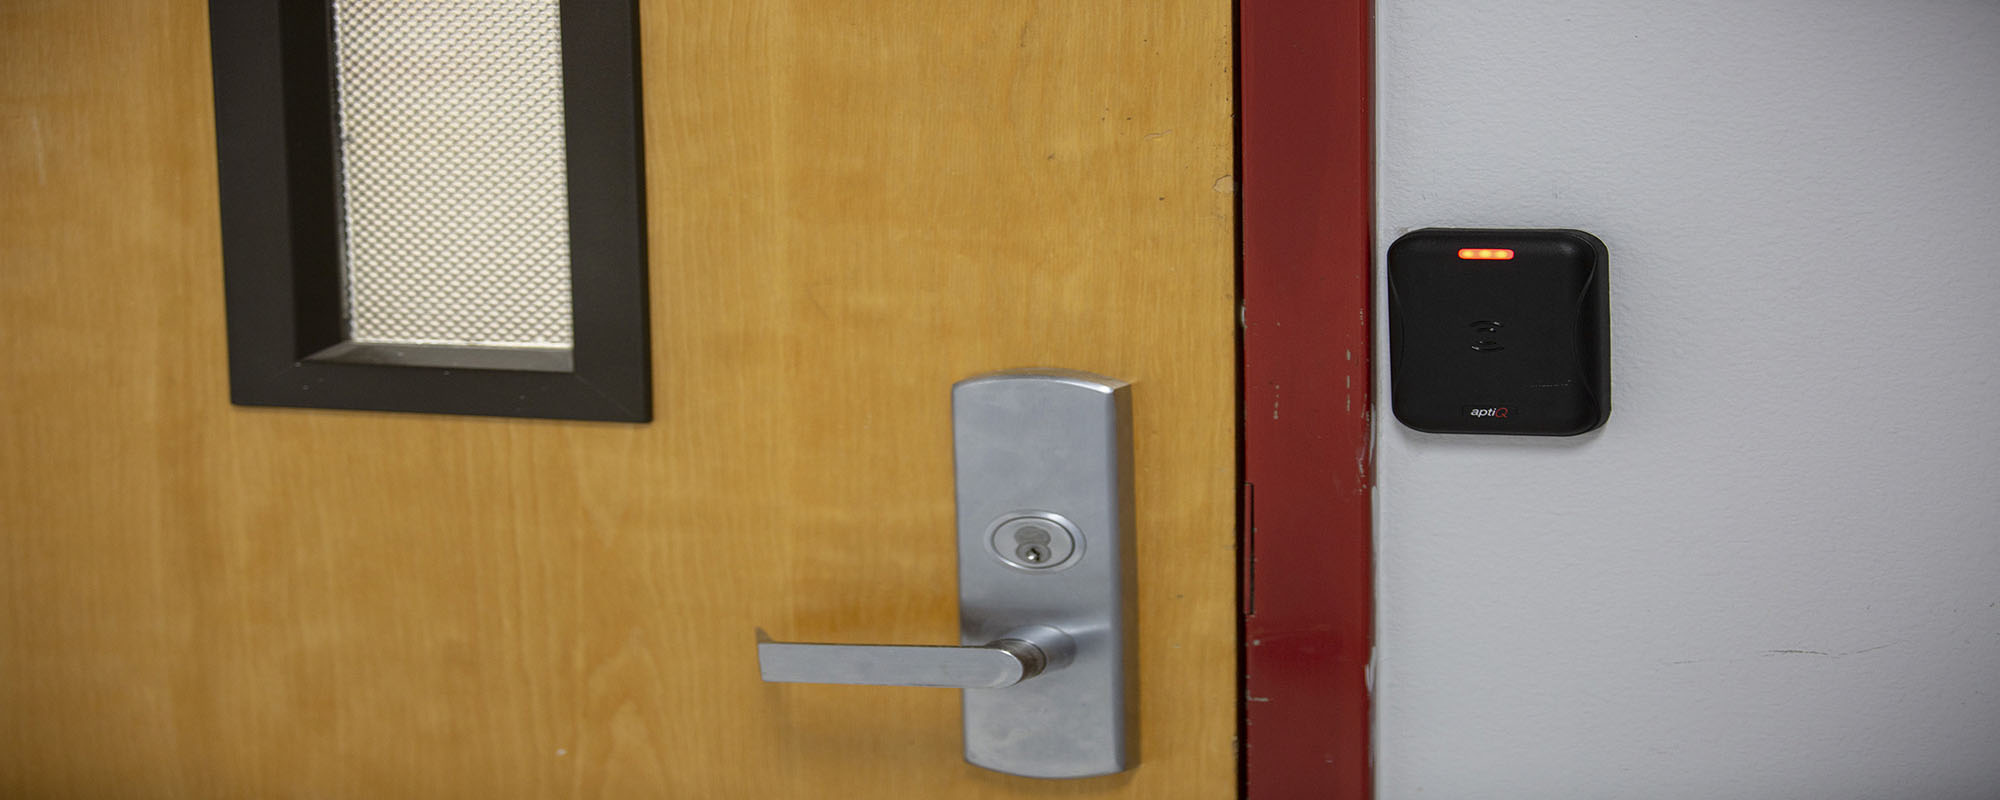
[851, 205]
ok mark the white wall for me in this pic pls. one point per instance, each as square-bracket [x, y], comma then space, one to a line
[1776, 572]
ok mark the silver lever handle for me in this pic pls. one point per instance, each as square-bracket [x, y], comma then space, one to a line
[1043, 464]
[1006, 661]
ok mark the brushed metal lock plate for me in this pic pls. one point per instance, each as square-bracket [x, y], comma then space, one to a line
[1043, 465]
[1057, 442]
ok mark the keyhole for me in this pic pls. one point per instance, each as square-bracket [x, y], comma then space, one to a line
[1035, 540]
[1034, 545]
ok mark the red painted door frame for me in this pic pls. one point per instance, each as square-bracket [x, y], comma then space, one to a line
[1306, 158]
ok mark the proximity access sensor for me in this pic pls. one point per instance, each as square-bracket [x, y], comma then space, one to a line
[1500, 331]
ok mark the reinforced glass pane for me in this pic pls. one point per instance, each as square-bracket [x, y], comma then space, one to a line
[454, 191]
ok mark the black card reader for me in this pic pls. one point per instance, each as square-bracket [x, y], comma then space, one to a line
[1500, 331]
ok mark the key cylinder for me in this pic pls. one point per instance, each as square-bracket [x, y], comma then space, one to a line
[1035, 540]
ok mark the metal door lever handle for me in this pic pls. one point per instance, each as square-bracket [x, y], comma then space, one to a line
[1042, 463]
[1012, 658]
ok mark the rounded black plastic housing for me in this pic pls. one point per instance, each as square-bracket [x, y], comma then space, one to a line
[1500, 331]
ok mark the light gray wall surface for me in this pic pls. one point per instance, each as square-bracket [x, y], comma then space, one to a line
[1776, 572]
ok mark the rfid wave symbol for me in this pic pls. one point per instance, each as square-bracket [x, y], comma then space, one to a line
[1486, 329]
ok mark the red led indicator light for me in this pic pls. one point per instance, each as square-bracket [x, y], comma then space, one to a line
[1485, 254]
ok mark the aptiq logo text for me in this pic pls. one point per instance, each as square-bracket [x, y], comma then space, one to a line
[1487, 412]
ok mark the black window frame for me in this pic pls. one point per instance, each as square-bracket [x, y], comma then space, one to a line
[280, 209]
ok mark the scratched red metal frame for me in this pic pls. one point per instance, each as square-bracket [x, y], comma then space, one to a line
[1306, 157]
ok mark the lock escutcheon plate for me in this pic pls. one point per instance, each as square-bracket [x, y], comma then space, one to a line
[1046, 445]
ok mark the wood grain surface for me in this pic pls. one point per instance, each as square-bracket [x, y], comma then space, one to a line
[852, 204]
